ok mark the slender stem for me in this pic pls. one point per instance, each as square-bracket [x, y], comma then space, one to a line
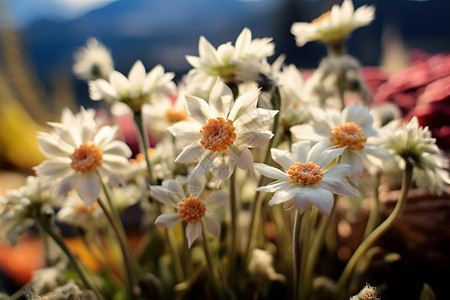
[73, 260]
[379, 231]
[296, 254]
[316, 246]
[209, 260]
[175, 255]
[309, 220]
[143, 137]
[375, 209]
[234, 220]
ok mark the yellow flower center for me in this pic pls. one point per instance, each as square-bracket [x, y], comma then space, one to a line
[82, 209]
[305, 173]
[192, 209]
[323, 18]
[86, 158]
[348, 134]
[174, 115]
[218, 134]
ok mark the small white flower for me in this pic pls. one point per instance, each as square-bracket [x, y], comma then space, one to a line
[76, 150]
[334, 25]
[219, 134]
[139, 88]
[306, 178]
[352, 128]
[190, 208]
[93, 61]
[261, 266]
[414, 143]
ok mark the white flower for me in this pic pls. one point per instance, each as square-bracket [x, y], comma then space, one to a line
[414, 143]
[335, 25]
[78, 149]
[306, 177]
[225, 61]
[219, 134]
[190, 208]
[352, 129]
[139, 88]
[261, 266]
[93, 61]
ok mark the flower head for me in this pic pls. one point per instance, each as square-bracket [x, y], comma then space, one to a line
[76, 150]
[352, 129]
[218, 134]
[93, 61]
[306, 177]
[139, 88]
[190, 207]
[334, 25]
[414, 143]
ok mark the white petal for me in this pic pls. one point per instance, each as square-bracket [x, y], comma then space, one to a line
[67, 184]
[204, 165]
[270, 171]
[321, 154]
[300, 151]
[283, 195]
[357, 114]
[117, 148]
[273, 187]
[255, 121]
[119, 82]
[193, 232]
[198, 109]
[56, 168]
[88, 188]
[243, 158]
[101, 89]
[308, 132]
[196, 185]
[222, 169]
[282, 157]
[215, 199]
[168, 220]
[221, 99]
[186, 132]
[212, 224]
[254, 139]
[338, 186]
[320, 197]
[51, 147]
[165, 196]
[245, 104]
[353, 159]
[191, 153]
[136, 76]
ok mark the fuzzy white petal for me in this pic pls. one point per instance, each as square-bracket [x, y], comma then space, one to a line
[270, 171]
[282, 157]
[198, 109]
[89, 188]
[191, 153]
[221, 100]
[193, 232]
[168, 220]
[212, 224]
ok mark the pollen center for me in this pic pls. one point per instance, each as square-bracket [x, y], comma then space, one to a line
[86, 158]
[305, 173]
[174, 115]
[218, 134]
[192, 209]
[348, 134]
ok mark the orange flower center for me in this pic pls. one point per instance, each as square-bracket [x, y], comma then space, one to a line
[323, 18]
[83, 210]
[86, 158]
[348, 134]
[218, 134]
[174, 115]
[192, 209]
[305, 173]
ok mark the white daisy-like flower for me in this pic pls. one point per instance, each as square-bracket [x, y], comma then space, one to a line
[77, 150]
[93, 61]
[334, 25]
[307, 178]
[352, 128]
[415, 143]
[225, 61]
[139, 88]
[190, 207]
[219, 134]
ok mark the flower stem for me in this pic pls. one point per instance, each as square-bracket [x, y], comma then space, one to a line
[315, 248]
[234, 219]
[379, 231]
[296, 254]
[143, 137]
[375, 209]
[310, 219]
[209, 260]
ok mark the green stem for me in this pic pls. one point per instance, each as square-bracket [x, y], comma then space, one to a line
[73, 260]
[234, 220]
[379, 231]
[296, 254]
[310, 221]
[175, 255]
[375, 209]
[143, 137]
[316, 246]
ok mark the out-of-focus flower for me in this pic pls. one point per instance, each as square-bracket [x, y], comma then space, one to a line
[93, 61]
[414, 143]
[74, 211]
[218, 135]
[227, 59]
[70, 290]
[385, 113]
[367, 293]
[306, 178]
[190, 207]
[20, 207]
[334, 25]
[352, 128]
[77, 150]
[261, 266]
[139, 88]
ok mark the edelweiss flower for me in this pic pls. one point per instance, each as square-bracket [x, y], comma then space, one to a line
[415, 143]
[334, 25]
[218, 134]
[190, 208]
[93, 61]
[77, 150]
[225, 61]
[352, 129]
[306, 178]
[139, 88]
